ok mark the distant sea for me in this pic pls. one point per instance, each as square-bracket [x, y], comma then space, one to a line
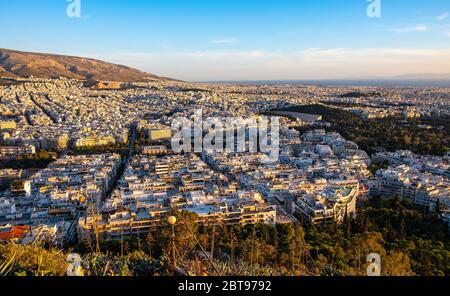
[395, 83]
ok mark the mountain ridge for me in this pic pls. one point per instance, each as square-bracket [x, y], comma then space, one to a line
[425, 76]
[14, 64]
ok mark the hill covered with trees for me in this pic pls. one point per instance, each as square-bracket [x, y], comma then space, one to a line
[392, 133]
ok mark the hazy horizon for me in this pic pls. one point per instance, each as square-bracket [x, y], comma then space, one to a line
[389, 83]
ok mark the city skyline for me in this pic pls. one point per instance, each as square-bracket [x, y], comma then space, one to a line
[242, 41]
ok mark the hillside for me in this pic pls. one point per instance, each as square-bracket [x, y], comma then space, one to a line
[25, 64]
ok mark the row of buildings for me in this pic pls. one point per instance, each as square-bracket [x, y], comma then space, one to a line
[153, 187]
[56, 196]
[424, 180]
[318, 179]
[12, 152]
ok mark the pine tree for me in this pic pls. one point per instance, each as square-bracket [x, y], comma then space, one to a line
[402, 229]
[438, 207]
[348, 224]
[150, 241]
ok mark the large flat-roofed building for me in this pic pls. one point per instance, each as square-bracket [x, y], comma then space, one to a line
[154, 150]
[405, 182]
[127, 223]
[156, 131]
[160, 134]
[9, 152]
[95, 141]
[5, 125]
[327, 203]
[9, 175]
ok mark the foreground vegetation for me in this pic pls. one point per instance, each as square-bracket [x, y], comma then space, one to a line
[410, 241]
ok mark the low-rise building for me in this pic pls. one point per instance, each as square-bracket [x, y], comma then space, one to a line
[11, 152]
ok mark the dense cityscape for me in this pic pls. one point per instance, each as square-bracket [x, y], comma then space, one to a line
[88, 166]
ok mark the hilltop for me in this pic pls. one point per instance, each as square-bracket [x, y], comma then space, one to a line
[25, 64]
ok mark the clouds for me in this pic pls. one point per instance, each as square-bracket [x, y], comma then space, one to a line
[311, 63]
[433, 24]
[409, 29]
[224, 41]
[442, 17]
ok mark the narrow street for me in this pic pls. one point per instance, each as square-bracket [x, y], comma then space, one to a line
[125, 160]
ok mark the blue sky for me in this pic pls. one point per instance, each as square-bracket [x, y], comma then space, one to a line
[240, 40]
